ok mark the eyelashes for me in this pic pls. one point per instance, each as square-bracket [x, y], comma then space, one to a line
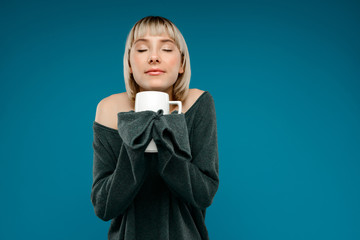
[166, 50]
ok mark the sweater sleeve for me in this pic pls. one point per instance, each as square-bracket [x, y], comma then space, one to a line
[117, 179]
[191, 172]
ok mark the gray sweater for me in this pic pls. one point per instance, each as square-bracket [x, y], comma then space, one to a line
[161, 195]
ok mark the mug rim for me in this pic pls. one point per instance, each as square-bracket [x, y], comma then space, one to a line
[153, 92]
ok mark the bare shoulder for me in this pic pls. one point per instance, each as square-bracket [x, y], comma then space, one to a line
[196, 93]
[107, 109]
[191, 98]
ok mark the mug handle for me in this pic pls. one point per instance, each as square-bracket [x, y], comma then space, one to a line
[177, 103]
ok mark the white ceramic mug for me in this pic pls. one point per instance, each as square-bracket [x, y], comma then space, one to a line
[154, 101]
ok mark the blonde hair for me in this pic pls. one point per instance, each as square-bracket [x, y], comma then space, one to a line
[158, 25]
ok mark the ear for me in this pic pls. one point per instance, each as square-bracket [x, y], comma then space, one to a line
[181, 70]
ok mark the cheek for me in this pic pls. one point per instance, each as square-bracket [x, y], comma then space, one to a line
[174, 61]
[135, 60]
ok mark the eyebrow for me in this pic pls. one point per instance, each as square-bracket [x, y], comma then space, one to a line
[146, 40]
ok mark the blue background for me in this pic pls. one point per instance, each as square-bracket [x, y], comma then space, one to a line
[285, 79]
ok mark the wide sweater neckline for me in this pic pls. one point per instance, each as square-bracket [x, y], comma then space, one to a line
[101, 126]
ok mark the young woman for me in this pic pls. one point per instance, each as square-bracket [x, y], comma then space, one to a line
[161, 195]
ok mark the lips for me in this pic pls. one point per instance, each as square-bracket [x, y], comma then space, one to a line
[155, 70]
[152, 73]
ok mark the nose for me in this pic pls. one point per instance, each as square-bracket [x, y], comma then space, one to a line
[154, 58]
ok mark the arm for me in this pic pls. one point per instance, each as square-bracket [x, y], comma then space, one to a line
[116, 180]
[117, 177]
[191, 172]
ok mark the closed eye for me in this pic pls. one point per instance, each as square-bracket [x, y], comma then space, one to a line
[166, 50]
